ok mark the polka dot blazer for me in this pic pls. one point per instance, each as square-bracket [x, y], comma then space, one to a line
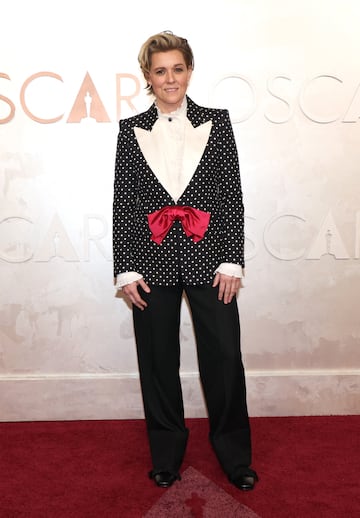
[215, 187]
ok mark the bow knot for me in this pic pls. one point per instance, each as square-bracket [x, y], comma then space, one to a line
[194, 222]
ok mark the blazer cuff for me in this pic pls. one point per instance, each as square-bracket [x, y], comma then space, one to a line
[232, 269]
[122, 279]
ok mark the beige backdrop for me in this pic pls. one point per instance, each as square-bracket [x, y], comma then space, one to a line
[288, 73]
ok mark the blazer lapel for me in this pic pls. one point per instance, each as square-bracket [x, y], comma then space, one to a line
[196, 136]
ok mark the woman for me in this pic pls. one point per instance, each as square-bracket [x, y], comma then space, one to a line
[178, 226]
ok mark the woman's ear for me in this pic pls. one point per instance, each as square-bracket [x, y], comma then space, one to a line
[147, 78]
[190, 70]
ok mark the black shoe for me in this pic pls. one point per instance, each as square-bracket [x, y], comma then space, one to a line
[164, 478]
[245, 482]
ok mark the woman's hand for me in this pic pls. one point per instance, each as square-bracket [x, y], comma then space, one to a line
[132, 292]
[228, 286]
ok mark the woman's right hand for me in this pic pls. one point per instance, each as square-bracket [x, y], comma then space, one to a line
[131, 291]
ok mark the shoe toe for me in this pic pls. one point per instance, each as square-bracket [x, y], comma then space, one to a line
[245, 482]
[164, 478]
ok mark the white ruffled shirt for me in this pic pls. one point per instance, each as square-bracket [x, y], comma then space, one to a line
[169, 134]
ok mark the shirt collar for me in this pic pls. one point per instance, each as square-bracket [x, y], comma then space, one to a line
[179, 113]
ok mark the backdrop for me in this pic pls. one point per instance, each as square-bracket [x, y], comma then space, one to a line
[288, 73]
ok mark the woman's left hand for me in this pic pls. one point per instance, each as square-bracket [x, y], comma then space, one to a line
[228, 286]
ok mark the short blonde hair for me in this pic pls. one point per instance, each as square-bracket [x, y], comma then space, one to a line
[163, 42]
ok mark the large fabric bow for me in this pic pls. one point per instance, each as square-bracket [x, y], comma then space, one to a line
[194, 222]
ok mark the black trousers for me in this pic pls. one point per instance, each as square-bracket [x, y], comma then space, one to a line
[217, 332]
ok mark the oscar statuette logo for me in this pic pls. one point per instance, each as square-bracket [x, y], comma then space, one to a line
[88, 107]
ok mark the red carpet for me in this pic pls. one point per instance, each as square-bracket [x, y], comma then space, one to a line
[308, 467]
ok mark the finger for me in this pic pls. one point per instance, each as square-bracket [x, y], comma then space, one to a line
[221, 290]
[216, 280]
[140, 304]
[138, 301]
[143, 285]
[227, 293]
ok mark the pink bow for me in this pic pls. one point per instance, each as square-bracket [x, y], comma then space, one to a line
[194, 222]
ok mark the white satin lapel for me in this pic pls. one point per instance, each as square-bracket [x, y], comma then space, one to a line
[148, 144]
[195, 140]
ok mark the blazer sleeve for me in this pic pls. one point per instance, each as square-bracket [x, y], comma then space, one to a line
[231, 199]
[124, 200]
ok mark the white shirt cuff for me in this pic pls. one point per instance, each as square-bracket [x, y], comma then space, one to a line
[234, 270]
[125, 278]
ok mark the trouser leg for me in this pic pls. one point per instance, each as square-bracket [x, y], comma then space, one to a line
[217, 330]
[158, 349]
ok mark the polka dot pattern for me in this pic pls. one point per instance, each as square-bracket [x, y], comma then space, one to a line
[215, 187]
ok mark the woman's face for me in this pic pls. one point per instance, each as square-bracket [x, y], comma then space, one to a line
[169, 78]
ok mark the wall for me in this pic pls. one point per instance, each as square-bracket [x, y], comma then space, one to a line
[288, 73]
